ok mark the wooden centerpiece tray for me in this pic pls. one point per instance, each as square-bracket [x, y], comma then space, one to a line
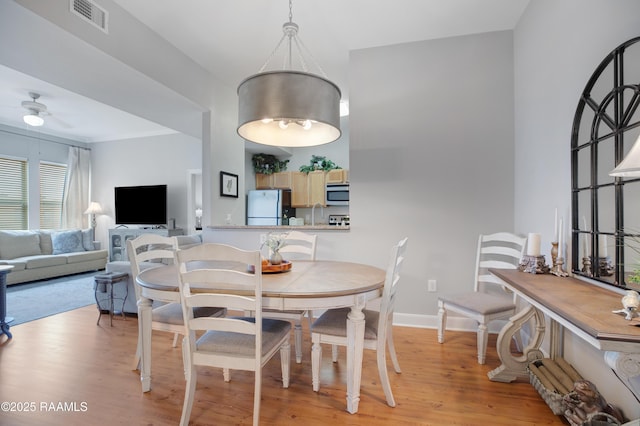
[268, 268]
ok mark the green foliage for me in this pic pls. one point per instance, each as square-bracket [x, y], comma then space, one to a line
[268, 164]
[319, 163]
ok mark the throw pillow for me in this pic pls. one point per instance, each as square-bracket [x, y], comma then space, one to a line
[67, 242]
[15, 244]
[87, 239]
[45, 241]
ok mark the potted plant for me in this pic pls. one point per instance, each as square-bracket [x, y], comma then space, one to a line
[268, 164]
[319, 162]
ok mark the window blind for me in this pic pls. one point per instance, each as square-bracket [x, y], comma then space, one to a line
[13, 194]
[52, 179]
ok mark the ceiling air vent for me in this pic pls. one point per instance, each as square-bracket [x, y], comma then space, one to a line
[90, 11]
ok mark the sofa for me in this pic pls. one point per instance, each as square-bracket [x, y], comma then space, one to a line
[42, 254]
[130, 305]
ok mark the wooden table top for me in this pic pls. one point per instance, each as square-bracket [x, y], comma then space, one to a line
[306, 279]
[584, 305]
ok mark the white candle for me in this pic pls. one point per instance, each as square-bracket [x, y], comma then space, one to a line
[555, 227]
[533, 244]
[560, 237]
[602, 245]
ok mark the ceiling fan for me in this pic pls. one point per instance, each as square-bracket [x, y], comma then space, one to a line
[36, 111]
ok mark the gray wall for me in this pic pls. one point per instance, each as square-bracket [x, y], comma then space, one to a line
[142, 161]
[431, 156]
[558, 44]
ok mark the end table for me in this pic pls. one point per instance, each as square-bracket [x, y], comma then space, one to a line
[4, 320]
[106, 281]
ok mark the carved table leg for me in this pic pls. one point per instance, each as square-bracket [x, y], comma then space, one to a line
[355, 348]
[513, 367]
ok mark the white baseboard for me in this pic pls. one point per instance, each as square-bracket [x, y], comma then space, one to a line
[453, 323]
[431, 321]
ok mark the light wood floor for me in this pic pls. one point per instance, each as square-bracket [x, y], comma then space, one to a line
[68, 359]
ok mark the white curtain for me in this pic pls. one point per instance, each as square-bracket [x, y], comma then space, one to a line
[76, 191]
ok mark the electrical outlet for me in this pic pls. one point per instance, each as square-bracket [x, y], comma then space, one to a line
[263, 238]
[432, 286]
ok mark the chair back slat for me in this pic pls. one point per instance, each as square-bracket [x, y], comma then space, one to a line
[299, 245]
[501, 250]
[222, 324]
[147, 248]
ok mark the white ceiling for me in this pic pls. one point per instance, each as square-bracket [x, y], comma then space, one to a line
[234, 38]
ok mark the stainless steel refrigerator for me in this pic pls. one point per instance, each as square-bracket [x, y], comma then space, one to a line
[268, 206]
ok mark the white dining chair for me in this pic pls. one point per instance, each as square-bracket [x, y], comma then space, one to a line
[298, 246]
[331, 327]
[241, 343]
[489, 300]
[149, 251]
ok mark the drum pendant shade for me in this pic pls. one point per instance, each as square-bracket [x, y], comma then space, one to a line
[276, 106]
[289, 108]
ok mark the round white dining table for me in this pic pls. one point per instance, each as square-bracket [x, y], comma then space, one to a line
[308, 285]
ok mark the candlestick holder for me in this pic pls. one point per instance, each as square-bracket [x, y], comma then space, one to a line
[554, 252]
[557, 268]
[605, 266]
[533, 264]
[586, 266]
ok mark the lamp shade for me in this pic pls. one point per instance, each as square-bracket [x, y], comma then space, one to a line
[94, 208]
[630, 165]
[289, 109]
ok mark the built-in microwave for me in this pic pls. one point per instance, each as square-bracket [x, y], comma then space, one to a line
[337, 194]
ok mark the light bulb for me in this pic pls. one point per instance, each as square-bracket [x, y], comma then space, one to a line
[267, 120]
[283, 124]
[306, 124]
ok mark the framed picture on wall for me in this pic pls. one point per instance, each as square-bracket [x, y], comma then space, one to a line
[228, 185]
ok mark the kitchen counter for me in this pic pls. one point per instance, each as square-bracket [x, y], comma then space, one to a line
[330, 237]
[319, 227]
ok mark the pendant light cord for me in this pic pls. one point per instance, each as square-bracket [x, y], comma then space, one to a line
[290, 32]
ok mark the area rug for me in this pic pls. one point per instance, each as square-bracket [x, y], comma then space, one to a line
[39, 299]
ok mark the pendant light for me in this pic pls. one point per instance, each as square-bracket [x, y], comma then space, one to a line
[289, 108]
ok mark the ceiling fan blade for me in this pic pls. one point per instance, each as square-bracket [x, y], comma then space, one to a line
[60, 121]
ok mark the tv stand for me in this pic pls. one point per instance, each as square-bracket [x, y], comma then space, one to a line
[118, 239]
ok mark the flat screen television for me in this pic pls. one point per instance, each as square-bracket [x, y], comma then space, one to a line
[141, 205]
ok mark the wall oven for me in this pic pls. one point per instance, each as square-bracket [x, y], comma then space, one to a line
[337, 194]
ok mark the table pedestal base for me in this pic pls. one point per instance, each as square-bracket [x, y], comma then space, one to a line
[514, 367]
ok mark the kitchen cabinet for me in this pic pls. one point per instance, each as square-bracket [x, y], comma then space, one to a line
[299, 189]
[280, 180]
[337, 176]
[307, 189]
[317, 187]
[264, 181]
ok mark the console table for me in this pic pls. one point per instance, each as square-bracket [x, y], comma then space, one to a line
[575, 305]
